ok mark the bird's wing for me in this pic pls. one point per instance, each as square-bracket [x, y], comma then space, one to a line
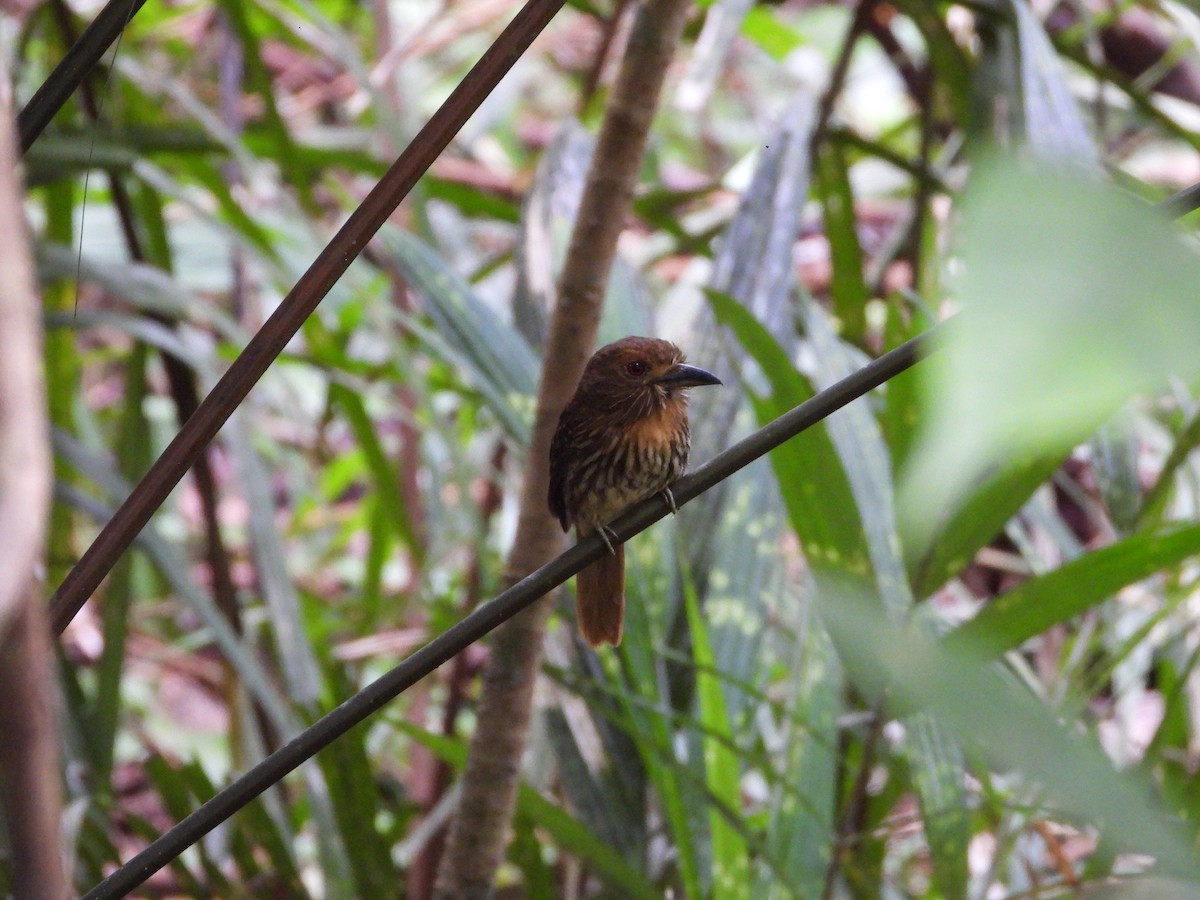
[560, 453]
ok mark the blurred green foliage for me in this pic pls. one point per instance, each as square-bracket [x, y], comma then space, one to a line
[798, 709]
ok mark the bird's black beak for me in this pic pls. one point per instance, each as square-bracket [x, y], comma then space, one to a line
[683, 375]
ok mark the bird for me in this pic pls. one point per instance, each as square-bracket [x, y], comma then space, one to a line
[622, 437]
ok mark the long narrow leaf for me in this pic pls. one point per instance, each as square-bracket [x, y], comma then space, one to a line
[1028, 610]
[1008, 728]
[730, 856]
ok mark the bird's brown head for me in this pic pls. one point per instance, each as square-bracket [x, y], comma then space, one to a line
[635, 376]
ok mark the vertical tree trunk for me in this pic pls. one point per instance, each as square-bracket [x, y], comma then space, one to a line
[478, 834]
[29, 775]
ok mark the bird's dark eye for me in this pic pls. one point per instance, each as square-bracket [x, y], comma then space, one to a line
[636, 369]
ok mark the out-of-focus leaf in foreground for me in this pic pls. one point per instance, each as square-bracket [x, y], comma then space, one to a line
[1075, 298]
[1009, 728]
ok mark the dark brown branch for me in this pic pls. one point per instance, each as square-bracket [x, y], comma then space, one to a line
[841, 68]
[115, 538]
[591, 81]
[74, 67]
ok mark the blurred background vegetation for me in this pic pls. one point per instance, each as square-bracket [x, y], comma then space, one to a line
[944, 645]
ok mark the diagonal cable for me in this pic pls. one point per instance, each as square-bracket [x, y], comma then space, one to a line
[73, 68]
[149, 493]
[450, 642]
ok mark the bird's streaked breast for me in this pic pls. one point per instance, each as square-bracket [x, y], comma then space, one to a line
[619, 465]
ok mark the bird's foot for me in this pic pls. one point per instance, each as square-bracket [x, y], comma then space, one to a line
[666, 492]
[608, 536]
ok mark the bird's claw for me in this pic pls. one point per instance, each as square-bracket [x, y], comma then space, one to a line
[666, 492]
[605, 534]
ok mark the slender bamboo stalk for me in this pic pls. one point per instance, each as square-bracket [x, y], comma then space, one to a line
[479, 832]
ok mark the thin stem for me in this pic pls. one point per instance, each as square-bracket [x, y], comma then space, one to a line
[841, 68]
[73, 68]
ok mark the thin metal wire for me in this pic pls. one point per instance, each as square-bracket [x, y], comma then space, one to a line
[456, 638]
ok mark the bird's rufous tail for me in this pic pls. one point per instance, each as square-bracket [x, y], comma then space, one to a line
[600, 598]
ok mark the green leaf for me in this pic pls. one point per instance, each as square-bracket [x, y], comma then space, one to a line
[355, 798]
[1014, 617]
[473, 201]
[498, 359]
[62, 366]
[802, 828]
[176, 787]
[816, 491]
[901, 416]
[171, 564]
[250, 230]
[146, 287]
[610, 803]
[741, 575]
[387, 481]
[938, 774]
[730, 856]
[949, 61]
[1052, 124]
[649, 722]
[1169, 747]
[134, 457]
[547, 218]
[1008, 727]
[849, 287]
[1154, 502]
[380, 528]
[571, 835]
[1115, 461]
[862, 455]
[732, 532]
[566, 830]
[949, 545]
[1076, 297]
[64, 153]
[763, 26]
[1021, 89]
[258, 80]
[934, 757]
